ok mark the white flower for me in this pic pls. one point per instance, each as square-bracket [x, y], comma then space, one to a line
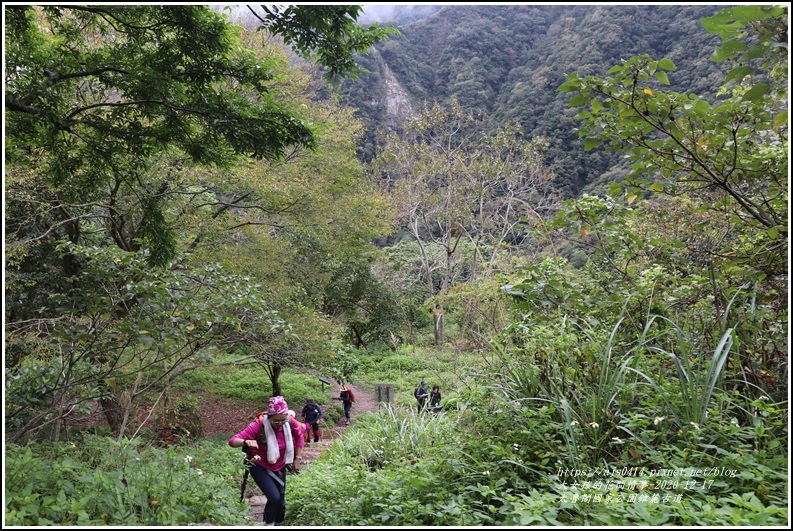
[615, 439]
[763, 397]
[573, 422]
[694, 424]
[735, 422]
[200, 472]
[516, 446]
[594, 424]
[256, 457]
[658, 420]
[486, 473]
[187, 459]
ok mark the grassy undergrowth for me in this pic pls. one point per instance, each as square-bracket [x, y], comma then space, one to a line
[504, 451]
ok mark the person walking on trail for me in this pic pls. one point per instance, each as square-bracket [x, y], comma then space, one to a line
[421, 395]
[311, 414]
[347, 398]
[272, 443]
[435, 398]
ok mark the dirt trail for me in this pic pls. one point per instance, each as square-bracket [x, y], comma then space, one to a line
[364, 403]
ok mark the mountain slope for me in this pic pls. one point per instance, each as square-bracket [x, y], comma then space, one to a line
[507, 61]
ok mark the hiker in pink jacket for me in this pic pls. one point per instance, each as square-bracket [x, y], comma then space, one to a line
[272, 443]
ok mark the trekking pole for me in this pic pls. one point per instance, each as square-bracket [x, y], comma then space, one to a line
[244, 481]
[245, 474]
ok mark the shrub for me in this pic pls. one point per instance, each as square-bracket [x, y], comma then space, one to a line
[98, 481]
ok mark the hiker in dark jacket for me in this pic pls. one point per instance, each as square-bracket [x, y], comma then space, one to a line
[311, 415]
[435, 398]
[421, 395]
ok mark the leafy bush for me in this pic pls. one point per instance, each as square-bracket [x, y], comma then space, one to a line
[98, 481]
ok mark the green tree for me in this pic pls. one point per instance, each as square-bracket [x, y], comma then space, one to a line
[717, 233]
[451, 183]
[731, 153]
[108, 109]
[293, 225]
[327, 34]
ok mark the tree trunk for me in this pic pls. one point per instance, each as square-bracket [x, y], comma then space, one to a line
[275, 373]
[437, 317]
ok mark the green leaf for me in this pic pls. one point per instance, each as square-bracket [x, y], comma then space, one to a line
[580, 99]
[596, 106]
[723, 22]
[728, 50]
[756, 92]
[667, 64]
[662, 77]
[656, 188]
[745, 14]
[614, 190]
[569, 86]
[754, 52]
[780, 119]
[591, 144]
[738, 73]
[702, 107]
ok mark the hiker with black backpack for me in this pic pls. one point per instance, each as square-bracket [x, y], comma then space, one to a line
[272, 444]
[312, 414]
[421, 395]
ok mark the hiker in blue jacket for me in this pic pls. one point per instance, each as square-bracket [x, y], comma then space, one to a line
[311, 414]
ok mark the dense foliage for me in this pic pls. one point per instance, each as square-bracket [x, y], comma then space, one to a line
[621, 360]
[153, 153]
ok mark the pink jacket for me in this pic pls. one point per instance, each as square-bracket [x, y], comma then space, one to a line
[254, 431]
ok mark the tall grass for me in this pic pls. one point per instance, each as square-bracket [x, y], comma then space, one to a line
[583, 376]
[393, 435]
[696, 385]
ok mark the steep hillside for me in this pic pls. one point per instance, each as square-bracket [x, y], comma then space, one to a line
[507, 61]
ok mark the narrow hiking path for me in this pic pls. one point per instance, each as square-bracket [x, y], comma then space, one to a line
[364, 403]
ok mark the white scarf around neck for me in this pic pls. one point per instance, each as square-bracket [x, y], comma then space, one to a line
[272, 442]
